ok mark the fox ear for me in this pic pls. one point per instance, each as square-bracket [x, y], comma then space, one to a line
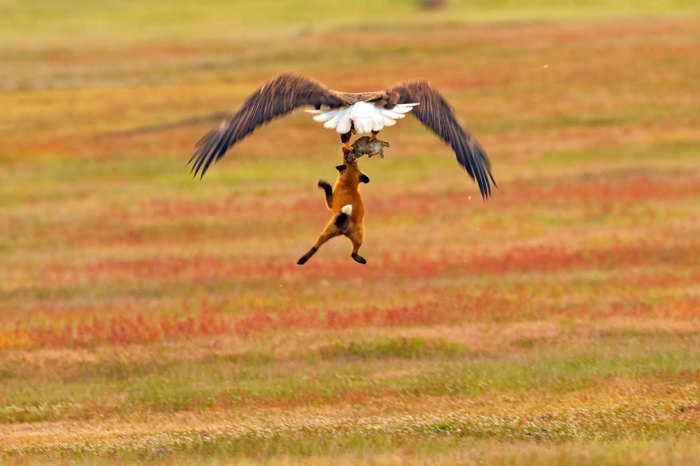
[340, 168]
[364, 178]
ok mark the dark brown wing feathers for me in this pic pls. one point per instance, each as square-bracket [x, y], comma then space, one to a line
[435, 113]
[275, 98]
[287, 92]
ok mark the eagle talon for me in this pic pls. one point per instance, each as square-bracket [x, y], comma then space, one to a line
[348, 147]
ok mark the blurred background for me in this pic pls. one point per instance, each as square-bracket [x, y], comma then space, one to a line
[558, 318]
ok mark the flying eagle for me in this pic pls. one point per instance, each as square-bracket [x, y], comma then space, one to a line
[348, 113]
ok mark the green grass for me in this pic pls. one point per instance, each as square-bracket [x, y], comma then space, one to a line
[407, 348]
[112, 22]
[431, 370]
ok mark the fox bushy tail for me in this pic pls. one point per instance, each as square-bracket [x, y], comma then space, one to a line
[342, 219]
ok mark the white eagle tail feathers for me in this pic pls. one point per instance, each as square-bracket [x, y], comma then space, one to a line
[347, 209]
[366, 117]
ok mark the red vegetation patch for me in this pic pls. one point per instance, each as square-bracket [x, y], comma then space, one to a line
[140, 329]
[537, 258]
[549, 258]
[624, 189]
[127, 329]
[196, 268]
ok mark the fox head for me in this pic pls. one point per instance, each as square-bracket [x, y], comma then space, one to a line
[351, 174]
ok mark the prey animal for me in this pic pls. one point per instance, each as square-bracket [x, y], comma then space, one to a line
[345, 201]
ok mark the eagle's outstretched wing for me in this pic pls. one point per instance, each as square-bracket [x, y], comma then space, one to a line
[275, 98]
[435, 113]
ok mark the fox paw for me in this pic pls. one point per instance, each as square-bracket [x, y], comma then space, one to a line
[358, 258]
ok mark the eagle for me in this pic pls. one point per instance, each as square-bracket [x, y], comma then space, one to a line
[347, 113]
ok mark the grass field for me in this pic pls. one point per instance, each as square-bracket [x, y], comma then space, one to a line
[146, 316]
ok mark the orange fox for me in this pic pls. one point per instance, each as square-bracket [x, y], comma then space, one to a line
[345, 202]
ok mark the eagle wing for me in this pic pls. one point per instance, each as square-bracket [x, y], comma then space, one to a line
[435, 113]
[275, 98]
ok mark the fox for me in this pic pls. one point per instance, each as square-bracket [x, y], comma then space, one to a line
[348, 210]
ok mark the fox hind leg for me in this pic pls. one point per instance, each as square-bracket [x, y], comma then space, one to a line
[302, 260]
[331, 231]
[356, 235]
[359, 259]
